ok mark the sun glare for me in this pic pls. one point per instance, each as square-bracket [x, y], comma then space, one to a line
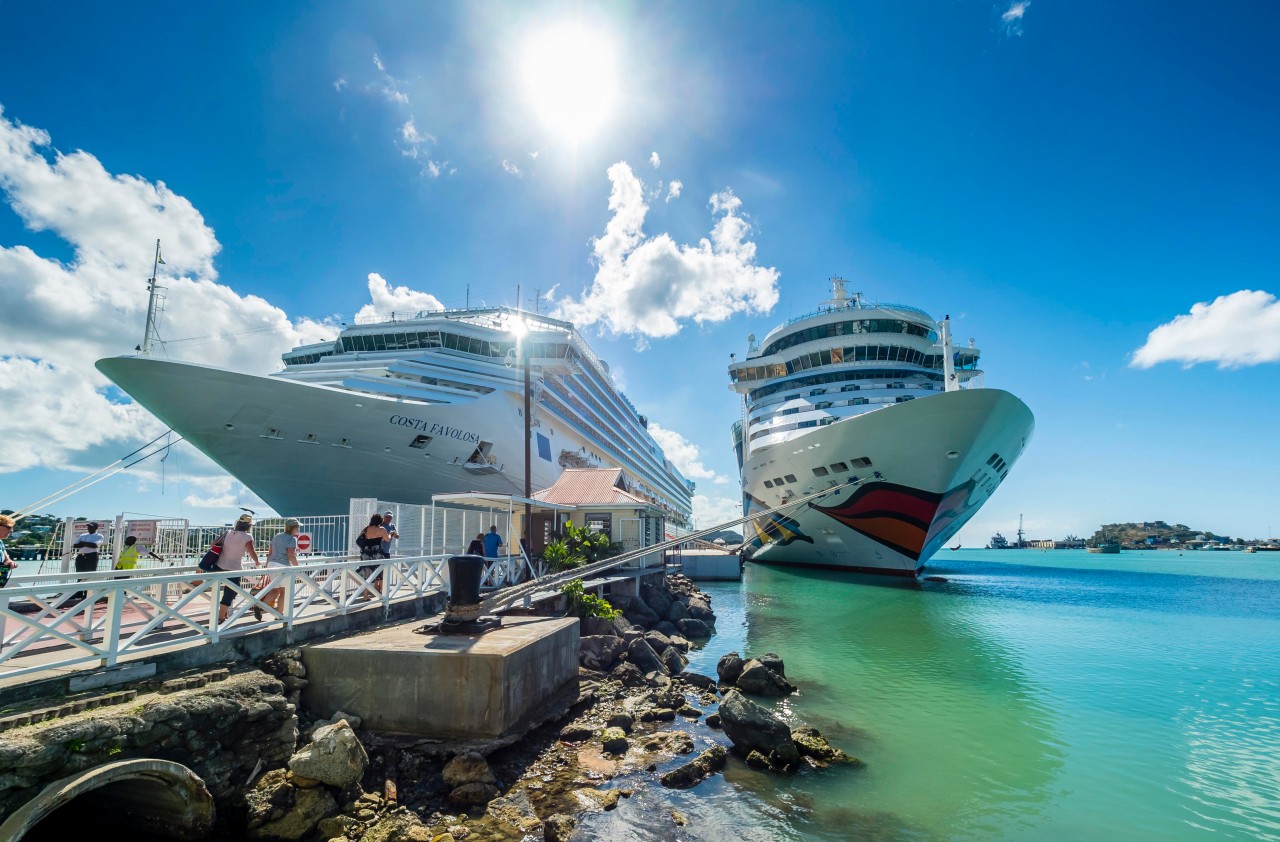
[570, 80]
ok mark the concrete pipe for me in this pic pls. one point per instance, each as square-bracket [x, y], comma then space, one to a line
[159, 797]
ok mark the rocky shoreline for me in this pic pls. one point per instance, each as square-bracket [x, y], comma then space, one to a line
[637, 709]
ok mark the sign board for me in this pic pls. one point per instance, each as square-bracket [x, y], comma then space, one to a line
[304, 542]
[81, 527]
[144, 530]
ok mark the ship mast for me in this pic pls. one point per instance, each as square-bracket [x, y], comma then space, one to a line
[152, 288]
[949, 382]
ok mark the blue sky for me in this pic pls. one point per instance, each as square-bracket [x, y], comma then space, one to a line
[1063, 179]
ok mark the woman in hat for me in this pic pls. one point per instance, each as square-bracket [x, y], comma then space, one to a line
[235, 546]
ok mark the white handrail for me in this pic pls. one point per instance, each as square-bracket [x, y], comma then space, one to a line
[133, 611]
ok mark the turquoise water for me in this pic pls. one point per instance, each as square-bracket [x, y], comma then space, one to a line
[1034, 695]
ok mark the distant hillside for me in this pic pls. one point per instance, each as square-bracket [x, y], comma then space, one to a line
[1163, 533]
[728, 536]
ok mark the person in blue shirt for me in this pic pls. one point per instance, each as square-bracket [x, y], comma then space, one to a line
[492, 540]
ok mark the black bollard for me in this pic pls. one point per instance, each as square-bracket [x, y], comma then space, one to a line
[463, 614]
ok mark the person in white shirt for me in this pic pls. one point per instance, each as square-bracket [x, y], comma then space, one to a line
[87, 547]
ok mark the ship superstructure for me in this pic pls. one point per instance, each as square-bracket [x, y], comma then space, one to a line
[876, 392]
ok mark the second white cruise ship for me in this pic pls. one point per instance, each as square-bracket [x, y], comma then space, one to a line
[874, 392]
[404, 408]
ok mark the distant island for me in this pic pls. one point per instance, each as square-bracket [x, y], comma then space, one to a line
[1150, 534]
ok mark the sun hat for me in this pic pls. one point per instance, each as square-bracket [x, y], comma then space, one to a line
[245, 518]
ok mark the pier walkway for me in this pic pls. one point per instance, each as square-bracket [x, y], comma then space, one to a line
[59, 623]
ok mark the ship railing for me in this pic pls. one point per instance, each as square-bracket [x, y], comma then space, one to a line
[90, 620]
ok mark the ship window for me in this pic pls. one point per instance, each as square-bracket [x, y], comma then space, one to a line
[271, 433]
[897, 385]
[791, 477]
[824, 404]
[420, 442]
[768, 483]
[861, 461]
[819, 471]
[311, 438]
[804, 424]
[343, 443]
[850, 388]
[837, 355]
[544, 446]
[905, 398]
[825, 421]
[817, 392]
[777, 480]
[839, 467]
[858, 402]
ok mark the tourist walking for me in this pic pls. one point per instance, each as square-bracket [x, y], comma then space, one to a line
[7, 564]
[492, 540]
[476, 547]
[389, 525]
[283, 553]
[370, 544]
[236, 544]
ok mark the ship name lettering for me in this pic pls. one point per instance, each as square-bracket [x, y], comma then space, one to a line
[433, 429]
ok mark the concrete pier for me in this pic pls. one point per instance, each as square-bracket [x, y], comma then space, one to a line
[443, 685]
[709, 565]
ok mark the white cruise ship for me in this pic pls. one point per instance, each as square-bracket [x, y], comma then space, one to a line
[404, 408]
[874, 391]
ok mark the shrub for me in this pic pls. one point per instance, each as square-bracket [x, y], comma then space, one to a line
[583, 604]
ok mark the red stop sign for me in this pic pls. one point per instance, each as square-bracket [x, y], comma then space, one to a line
[304, 542]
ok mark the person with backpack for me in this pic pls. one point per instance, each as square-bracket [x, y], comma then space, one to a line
[370, 543]
[236, 544]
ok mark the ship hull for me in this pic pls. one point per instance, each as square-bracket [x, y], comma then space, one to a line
[309, 449]
[939, 459]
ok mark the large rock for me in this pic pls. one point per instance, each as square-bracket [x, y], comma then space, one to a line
[658, 600]
[774, 662]
[750, 727]
[472, 794]
[334, 757]
[694, 629]
[597, 625]
[697, 679]
[629, 674]
[645, 659]
[759, 680]
[673, 660]
[397, 827]
[623, 627]
[810, 743]
[677, 612]
[667, 627]
[700, 609]
[696, 770]
[599, 652]
[657, 640]
[467, 768]
[641, 614]
[614, 740]
[729, 668]
[294, 819]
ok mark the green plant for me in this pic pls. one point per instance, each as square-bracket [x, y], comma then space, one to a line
[583, 604]
[592, 546]
[113, 751]
[75, 745]
[558, 556]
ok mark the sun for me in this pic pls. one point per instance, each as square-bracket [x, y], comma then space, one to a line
[570, 79]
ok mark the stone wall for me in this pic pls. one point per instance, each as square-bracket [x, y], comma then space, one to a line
[220, 730]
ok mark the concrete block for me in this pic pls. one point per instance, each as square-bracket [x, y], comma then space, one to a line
[443, 685]
[704, 565]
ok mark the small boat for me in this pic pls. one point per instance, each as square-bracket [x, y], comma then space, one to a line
[956, 547]
[1106, 547]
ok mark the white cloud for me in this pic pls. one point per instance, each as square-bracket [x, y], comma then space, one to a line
[339, 83]
[390, 85]
[1234, 330]
[683, 454]
[60, 317]
[510, 167]
[651, 285]
[655, 160]
[413, 138]
[710, 511]
[673, 190]
[1011, 18]
[386, 300]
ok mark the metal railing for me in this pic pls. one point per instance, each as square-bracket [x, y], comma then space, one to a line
[95, 619]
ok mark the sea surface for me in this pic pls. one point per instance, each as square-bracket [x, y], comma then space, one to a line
[1034, 695]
